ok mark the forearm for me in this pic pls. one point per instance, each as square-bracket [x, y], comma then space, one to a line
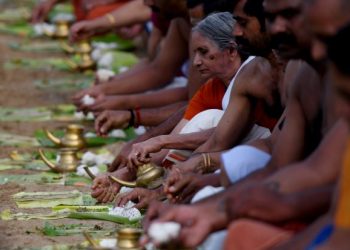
[164, 128]
[156, 116]
[188, 141]
[123, 16]
[311, 203]
[145, 77]
[158, 98]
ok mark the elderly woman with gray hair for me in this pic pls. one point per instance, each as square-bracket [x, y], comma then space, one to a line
[215, 56]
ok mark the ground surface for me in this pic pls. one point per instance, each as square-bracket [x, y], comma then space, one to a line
[17, 90]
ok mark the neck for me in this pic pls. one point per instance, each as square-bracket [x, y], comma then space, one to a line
[231, 72]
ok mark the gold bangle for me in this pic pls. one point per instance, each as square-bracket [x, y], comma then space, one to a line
[111, 18]
[207, 163]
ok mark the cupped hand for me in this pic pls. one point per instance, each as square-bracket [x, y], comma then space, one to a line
[140, 153]
[108, 120]
[141, 196]
[41, 11]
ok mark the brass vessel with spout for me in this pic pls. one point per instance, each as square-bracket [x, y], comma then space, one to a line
[128, 239]
[73, 138]
[62, 30]
[68, 161]
[83, 51]
[148, 176]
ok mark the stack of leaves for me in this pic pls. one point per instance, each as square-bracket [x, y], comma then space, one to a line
[72, 229]
[47, 199]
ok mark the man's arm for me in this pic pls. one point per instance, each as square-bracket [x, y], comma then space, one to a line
[321, 168]
[161, 70]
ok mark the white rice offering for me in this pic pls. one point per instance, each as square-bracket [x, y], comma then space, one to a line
[108, 243]
[88, 100]
[104, 75]
[164, 232]
[127, 211]
[106, 61]
[123, 69]
[117, 133]
[89, 158]
[43, 28]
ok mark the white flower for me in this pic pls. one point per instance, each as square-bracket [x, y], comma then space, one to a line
[96, 55]
[117, 133]
[106, 61]
[104, 159]
[90, 135]
[79, 115]
[42, 28]
[163, 232]
[123, 69]
[124, 190]
[108, 243]
[89, 158]
[88, 100]
[140, 130]
[104, 75]
[90, 116]
[104, 46]
[63, 17]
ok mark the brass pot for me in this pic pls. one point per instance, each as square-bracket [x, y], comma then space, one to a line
[128, 239]
[148, 176]
[73, 138]
[68, 161]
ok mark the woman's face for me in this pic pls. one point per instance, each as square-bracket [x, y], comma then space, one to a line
[208, 59]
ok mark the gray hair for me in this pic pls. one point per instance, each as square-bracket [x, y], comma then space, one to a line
[218, 28]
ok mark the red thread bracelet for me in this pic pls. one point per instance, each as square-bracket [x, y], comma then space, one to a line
[137, 117]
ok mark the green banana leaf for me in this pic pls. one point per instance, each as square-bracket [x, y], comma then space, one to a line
[64, 84]
[63, 112]
[47, 199]
[73, 229]
[123, 59]
[38, 46]
[47, 64]
[72, 208]
[15, 15]
[91, 141]
[7, 215]
[122, 44]
[22, 29]
[103, 216]
[70, 179]
[7, 139]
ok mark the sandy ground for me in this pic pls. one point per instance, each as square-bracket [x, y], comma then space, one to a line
[17, 90]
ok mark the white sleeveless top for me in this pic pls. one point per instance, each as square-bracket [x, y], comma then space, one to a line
[226, 98]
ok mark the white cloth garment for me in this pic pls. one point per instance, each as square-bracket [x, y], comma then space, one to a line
[243, 160]
[226, 99]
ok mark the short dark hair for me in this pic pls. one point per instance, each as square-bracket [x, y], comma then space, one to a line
[338, 50]
[256, 8]
[211, 6]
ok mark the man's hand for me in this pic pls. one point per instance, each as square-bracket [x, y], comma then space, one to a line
[93, 91]
[180, 188]
[82, 30]
[140, 153]
[141, 196]
[42, 10]
[197, 221]
[122, 159]
[262, 203]
[103, 102]
[109, 120]
[103, 189]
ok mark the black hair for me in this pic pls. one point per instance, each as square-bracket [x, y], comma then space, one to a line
[255, 8]
[338, 50]
[213, 6]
